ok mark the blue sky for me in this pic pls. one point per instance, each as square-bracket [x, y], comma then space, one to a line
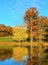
[12, 11]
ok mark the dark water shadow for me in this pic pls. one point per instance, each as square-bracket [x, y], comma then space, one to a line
[5, 54]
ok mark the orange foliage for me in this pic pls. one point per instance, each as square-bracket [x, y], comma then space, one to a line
[5, 30]
[31, 12]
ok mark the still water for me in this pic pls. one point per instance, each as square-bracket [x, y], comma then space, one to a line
[6, 58]
[11, 62]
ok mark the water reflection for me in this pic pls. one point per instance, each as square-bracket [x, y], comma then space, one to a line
[5, 54]
[6, 58]
[10, 62]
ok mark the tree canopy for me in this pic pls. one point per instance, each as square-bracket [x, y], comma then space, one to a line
[5, 30]
[19, 33]
[38, 23]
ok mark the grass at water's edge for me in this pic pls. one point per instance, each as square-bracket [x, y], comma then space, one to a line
[6, 39]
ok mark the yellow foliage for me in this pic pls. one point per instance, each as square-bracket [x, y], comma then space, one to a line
[19, 33]
[19, 53]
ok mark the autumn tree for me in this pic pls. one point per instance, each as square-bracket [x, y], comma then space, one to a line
[44, 21]
[19, 33]
[44, 27]
[31, 13]
[32, 21]
[5, 30]
[9, 31]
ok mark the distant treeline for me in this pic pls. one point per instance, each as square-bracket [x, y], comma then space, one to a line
[5, 30]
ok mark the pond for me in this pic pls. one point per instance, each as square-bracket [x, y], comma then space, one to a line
[6, 58]
[10, 62]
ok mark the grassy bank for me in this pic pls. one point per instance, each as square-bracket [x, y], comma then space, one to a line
[6, 39]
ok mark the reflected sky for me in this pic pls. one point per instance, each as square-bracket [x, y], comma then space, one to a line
[12, 62]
